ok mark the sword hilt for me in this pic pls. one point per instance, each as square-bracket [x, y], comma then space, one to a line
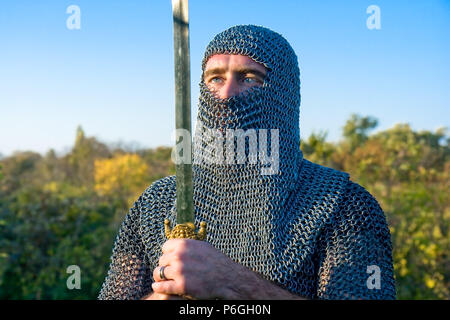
[185, 231]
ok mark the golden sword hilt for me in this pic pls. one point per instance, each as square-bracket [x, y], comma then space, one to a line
[185, 231]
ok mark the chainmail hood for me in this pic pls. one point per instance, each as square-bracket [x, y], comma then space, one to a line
[275, 105]
[241, 204]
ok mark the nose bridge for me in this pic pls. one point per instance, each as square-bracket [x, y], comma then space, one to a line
[231, 86]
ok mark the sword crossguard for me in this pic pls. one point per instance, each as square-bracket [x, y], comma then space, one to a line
[185, 231]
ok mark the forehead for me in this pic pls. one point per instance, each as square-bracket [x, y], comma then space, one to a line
[233, 62]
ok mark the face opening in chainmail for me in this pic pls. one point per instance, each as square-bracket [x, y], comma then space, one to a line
[228, 75]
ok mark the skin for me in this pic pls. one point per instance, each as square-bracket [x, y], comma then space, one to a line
[195, 269]
[229, 75]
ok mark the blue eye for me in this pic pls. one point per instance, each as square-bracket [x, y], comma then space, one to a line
[216, 80]
[249, 80]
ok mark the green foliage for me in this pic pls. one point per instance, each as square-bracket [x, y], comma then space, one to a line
[57, 211]
[48, 230]
[317, 149]
[52, 216]
[80, 161]
[355, 130]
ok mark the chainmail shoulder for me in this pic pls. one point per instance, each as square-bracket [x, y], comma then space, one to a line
[321, 249]
[355, 242]
[130, 272]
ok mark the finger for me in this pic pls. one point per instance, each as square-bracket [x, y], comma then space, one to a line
[169, 287]
[172, 244]
[180, 245]
[166, 273]
[168, 259]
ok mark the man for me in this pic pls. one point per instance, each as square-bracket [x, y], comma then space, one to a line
[301, 231]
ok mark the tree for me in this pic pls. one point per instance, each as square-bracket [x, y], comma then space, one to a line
[122, 177]
[44, 231]
[317, 150]
[356, 130]
[81, 160]
[19, 170]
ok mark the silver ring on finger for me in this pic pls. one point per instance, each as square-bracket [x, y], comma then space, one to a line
[162, 276]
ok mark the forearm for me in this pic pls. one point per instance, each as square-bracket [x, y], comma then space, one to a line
[248, 285]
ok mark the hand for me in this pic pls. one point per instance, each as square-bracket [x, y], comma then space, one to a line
[196, 269]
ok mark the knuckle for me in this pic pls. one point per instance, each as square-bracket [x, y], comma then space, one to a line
[182, 245]
[165, 246]
[161, 260]
[155, 274]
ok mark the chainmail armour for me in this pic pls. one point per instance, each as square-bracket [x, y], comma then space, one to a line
[306, 228]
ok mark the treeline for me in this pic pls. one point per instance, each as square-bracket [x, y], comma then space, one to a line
[62, 211]
[57, 211]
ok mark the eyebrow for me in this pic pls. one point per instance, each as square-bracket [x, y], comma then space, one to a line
[241, 70]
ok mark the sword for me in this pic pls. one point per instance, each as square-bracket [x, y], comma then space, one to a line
[185, 227]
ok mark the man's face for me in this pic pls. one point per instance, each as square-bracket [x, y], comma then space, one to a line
[228, 75]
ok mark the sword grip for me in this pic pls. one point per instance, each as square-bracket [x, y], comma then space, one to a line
[185, 231]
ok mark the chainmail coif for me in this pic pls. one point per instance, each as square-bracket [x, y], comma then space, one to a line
[303, 226]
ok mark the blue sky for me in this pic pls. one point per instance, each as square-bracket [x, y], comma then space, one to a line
[114, 76]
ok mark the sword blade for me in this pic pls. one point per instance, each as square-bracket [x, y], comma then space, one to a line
[185, 208]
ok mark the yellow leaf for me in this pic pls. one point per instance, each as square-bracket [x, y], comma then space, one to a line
[430, 283]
